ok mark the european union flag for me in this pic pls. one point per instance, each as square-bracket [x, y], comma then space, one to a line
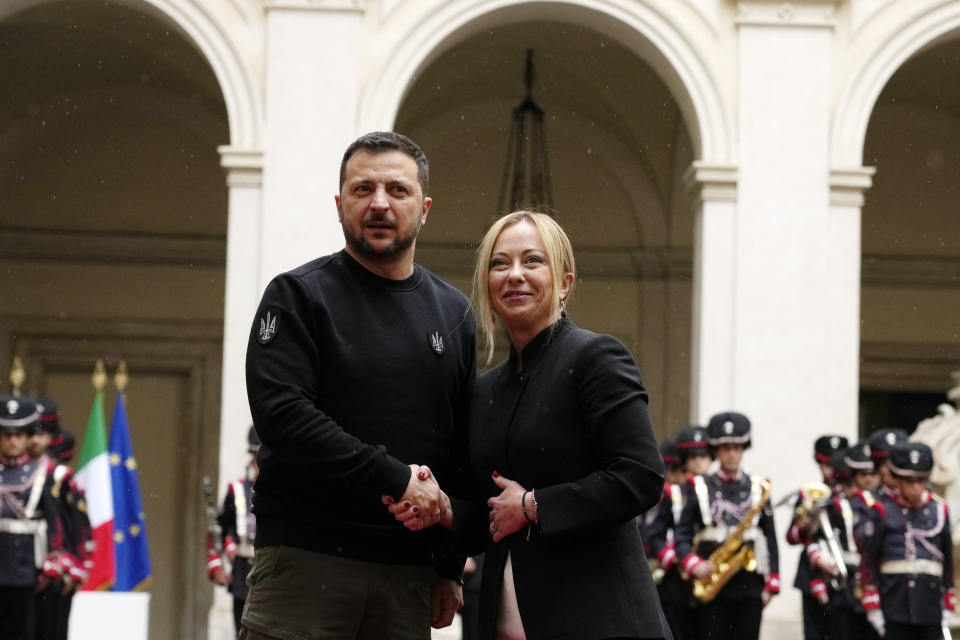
[129, 527]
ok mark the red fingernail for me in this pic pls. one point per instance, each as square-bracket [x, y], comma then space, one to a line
[416, 509]
[422, 475]
[406, 504]
[495, 474]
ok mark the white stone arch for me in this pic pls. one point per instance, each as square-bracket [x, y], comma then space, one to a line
[886, 48]
[641, 26]
[210, 37]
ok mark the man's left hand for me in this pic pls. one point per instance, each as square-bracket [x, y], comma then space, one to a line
[446, 598]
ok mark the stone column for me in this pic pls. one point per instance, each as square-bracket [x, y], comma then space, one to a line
[843, 258]
[788, 350]
[714, 193]
[243, 168]
[314, 50]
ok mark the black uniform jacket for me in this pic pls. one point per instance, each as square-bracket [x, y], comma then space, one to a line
[568, 418]
[729, 501]
[905, 551]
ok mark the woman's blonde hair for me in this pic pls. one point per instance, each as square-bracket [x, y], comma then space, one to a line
[559, 259]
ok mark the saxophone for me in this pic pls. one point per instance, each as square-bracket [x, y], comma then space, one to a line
[731, 556]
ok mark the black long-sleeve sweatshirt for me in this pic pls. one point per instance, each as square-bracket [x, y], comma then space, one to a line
[350, 378]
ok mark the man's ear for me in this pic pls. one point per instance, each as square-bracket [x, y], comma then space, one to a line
[336, 199]
[426, 209]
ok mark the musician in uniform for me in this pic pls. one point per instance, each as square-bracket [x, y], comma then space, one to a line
[881, 443]
[30, 531]
[690, 449]
[54, 603]
[239, 527]
[726, 511]
[657, 534]
[803, 532]
[908, 553]
[858, 457]
[839, 588]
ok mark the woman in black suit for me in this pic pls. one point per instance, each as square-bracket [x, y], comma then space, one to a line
[562, 451]
[561, 439]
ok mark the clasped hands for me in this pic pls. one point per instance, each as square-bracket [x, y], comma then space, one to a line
[424, 504]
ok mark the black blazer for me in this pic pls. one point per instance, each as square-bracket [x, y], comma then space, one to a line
[568, 417]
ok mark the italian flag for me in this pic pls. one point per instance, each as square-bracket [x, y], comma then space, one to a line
[94, 477]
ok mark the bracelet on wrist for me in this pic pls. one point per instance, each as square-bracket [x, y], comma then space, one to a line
[523, 507]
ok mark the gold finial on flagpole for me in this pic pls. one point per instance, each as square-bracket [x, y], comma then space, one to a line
[99, 377]
[17, 375]
[121, 379]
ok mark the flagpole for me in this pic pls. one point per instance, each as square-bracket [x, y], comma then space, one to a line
[99, 377]
[120, 379]
[93, 476]
[130, 531]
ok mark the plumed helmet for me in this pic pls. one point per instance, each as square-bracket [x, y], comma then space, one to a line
[253, 441]
[670, 453]
[911, 460]
[729, 428]
[858, 458]
[18, 414]
[49, 415]
[693, 441]
[883, 440]
[826, 445]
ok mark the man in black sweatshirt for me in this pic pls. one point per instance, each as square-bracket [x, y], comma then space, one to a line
[358, 368]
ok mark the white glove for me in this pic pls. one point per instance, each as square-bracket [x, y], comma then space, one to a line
[946, 618]
[875, 618]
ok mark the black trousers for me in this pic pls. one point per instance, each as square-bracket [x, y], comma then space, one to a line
[47, 613]
[17, 606]
[730, 619]
[676, 599]
[900, 631]
[814, 619]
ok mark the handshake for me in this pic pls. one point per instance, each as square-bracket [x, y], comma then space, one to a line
[423, 504]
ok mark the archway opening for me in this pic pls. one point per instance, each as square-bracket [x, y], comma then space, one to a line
[617, 146]
[113, 215]
[911, 261]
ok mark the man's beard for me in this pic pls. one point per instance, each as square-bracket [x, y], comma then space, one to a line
[400, 244]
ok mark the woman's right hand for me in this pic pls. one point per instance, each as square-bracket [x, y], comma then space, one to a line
[506, 516]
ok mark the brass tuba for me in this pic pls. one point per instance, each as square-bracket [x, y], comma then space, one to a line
[816, 496]
[731, 556]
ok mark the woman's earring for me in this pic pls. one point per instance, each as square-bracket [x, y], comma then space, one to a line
[563, 308]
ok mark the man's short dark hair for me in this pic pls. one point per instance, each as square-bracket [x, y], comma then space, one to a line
[380, 141]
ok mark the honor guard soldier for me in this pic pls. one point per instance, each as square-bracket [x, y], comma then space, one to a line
[30, 531]
[803, 530]
[858, 457]
[840, 587]
[882, 442]
[657, 534]
[54, 603]
[909, 553]
[239, 529]
[679, 605]
[726, 540]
